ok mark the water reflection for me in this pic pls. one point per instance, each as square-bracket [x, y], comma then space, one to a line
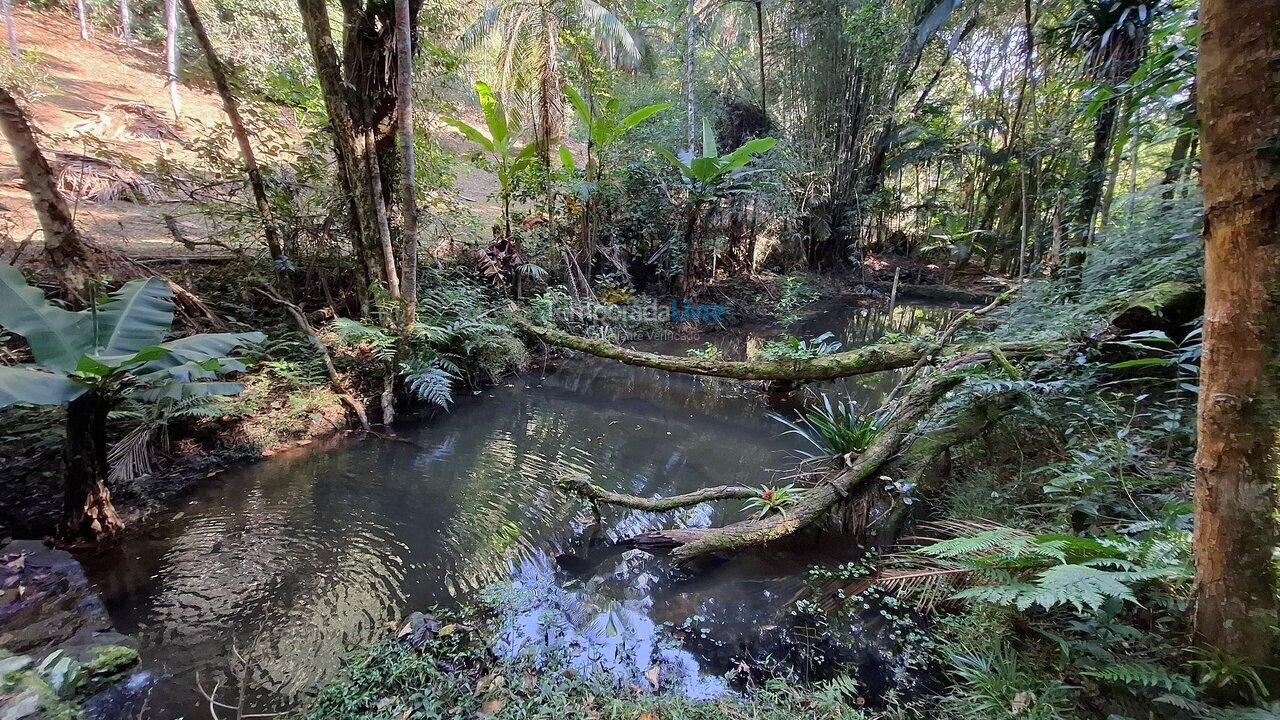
[299, 558]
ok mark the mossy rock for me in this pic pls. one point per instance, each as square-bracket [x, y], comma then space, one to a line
[110, 660]
[1160, 307]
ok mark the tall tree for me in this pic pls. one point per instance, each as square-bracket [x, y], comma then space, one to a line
[126, 23]
[231, 106]
[1235, 531]
[531, 36]
[82, 12]
[171, 55]
[70, 256]
[359, 94]
[1113, 34]
[6, 8]
[408, 176]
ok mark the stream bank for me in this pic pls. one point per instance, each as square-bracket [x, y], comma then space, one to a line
[297, 558]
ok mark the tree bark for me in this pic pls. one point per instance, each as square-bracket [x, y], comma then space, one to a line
[1235, 532]
[231, 106]
[71, 257]
[358, 109]
[408, 188]
[82, 12]
[171, 55]
[88, 513]
[126, 23]
[6, 7]
[876, 358]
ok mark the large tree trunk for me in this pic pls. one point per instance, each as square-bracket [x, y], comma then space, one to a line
[171, 55]
[88, 513]
[361, 106]
[1235, 531]
[71, 257]
[232, 107]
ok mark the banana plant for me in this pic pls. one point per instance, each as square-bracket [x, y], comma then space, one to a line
[605, 126]
[94, 359]
[501, 144]
[709, 178]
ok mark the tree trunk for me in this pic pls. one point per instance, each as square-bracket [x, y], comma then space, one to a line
[689, 70]
[408, 188]
[1235, 532]
[764, 95]
[71, 257]
[356, 105]
[88, 513]
[126, 23]
[83, 13]
[171, 55]
[232, 107]
[1091, 193]
[6, 7]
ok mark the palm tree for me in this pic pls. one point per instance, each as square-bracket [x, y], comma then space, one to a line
[1113, 35]
[531, 36]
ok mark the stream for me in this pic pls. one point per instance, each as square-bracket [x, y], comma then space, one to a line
[295, 560]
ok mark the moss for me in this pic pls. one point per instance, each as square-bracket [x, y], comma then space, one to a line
[111, 660]
[52, 707]
[1167, 300]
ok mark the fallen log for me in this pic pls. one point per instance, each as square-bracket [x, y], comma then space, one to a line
[875, 358]
[595, 493]
[862, 361]
[938, 293]
[907, 449]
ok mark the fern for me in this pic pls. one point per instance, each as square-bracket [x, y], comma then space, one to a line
[431, 385]
[1144, 675]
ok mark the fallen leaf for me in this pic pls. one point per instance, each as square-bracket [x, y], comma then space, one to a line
[652, 676]
[305, 442]
[648, 716]
[179, 515]
[268, 453]
[493, 707]
[1022, 702]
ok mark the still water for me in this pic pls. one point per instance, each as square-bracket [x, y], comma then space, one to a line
[294, 560]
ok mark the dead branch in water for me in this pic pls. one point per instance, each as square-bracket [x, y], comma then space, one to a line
[905, 450]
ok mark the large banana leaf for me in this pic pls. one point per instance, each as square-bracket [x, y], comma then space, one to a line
[57, 337]
[137, 315]
[199, 348]
[183, 390]
[25, 384]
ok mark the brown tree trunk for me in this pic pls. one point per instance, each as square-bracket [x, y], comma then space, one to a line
[1235, 531]
[88, 513]
[232, 107]
[72, 259]
[171, 55]
[353, 115]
